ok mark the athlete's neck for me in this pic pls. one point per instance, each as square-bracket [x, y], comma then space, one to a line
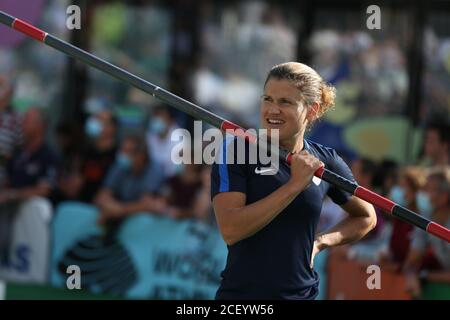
[294, 145]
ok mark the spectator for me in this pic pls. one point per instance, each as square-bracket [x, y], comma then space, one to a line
[101, 128]
[132, 183]
[411, 181]
[184, 193]
[437, 144]
[70, 142]
[364, 171]
[32, 172]
[161, 125]
[376, 241]
[386, 176]
[85, 173]
[10, 131]
[438, 190]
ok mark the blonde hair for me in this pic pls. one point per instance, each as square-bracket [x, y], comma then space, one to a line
[415, 176]
[310, 84]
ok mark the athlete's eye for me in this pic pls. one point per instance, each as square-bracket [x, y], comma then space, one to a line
[266, 98]
[285, 102]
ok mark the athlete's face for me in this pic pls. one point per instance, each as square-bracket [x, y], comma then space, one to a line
[282, 108]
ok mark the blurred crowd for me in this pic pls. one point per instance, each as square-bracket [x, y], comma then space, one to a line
[370, 70]
[120, 173]
[238, 52]
[370, 73]
[423, 187]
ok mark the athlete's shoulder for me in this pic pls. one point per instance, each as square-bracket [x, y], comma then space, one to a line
[233, 150]
[331, 159]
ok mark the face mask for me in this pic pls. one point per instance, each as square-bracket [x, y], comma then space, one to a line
[398, 195]
[157, 126]
[423, 203]
[93, 127]
[123, 161]
[179, 169]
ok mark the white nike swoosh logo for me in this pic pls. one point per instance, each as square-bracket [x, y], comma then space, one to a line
[263, 170]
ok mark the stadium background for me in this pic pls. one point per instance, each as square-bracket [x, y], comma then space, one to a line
[391, 83]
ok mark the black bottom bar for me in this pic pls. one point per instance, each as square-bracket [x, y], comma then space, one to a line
[6, 18]
[339, 181]
[410, 216]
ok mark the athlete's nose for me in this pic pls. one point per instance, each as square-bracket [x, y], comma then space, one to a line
[273, 109]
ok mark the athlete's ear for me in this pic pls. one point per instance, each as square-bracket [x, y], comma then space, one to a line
[313, 112]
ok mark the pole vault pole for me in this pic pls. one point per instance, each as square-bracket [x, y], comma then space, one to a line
[202, 114]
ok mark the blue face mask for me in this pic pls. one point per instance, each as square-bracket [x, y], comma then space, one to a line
[423, 203]
[93, 127]
[157, 126]
[179, 169]
[398, 195]
[123, 161]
